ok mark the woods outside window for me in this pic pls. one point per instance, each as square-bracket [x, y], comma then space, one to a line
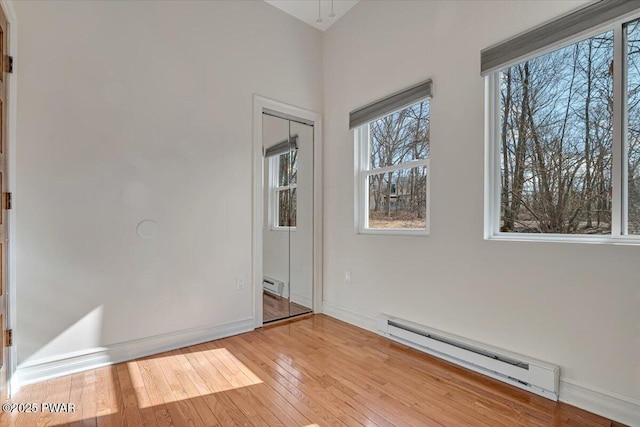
[394, 171]
[563, 148]
[284, 198]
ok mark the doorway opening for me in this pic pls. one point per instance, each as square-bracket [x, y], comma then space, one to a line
[288, 217]
[287, 212]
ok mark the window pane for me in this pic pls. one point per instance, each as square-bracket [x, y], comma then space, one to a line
[287, 207]
[400, 137]
[398, 199]
[633, 132]
[556, 141]
[288, 168]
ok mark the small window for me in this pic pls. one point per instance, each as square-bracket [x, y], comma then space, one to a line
[284, 171]
[393, 177]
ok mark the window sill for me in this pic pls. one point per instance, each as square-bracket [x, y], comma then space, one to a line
[283, 229]
[394, 232]
[565, 238]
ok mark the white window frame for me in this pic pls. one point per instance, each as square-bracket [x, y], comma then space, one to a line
[492, 182]
[362, 173]
[274, 192]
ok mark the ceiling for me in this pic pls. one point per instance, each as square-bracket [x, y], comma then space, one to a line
[307, 10]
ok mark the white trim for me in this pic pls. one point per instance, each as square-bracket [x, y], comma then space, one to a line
[359, 193]
[608, 404]
[12, 94]
[303, 300]
[361, 156]
[618, 169]
[406, 165]
[48, 368]
[566, 238]
[415, 232]
[260, 104]
[489, 164]
[354, 318]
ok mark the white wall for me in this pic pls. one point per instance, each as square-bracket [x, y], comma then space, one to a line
[142, 110]
[577, 305]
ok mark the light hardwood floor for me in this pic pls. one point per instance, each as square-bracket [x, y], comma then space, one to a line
[315, 371]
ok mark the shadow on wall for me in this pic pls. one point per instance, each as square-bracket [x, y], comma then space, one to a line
[86, 330]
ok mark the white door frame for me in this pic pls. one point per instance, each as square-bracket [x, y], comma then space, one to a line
[12, 121]
[261, 103]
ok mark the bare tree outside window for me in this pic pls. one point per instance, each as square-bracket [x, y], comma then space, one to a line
[556, 141]
[397, 169]
[286, 200]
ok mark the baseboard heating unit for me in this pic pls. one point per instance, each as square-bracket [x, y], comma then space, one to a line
[274, 287]
[524, 372]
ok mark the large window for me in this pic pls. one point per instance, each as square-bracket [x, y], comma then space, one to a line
[564, 140]
[393, 154]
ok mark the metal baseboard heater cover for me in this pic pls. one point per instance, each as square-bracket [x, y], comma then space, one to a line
[523, 372]
[273, 286]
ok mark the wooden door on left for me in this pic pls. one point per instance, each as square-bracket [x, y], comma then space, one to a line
[4, 201]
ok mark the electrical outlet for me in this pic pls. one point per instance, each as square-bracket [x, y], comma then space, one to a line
[347, 277]
[240, 283]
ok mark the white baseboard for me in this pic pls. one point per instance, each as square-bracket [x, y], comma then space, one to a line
[611, 405]
[45, 369]
[608, 404]
[303, 300]
[349, 316]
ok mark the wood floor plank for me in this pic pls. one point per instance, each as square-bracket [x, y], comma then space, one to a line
[60, 392]
[193, 402]
[286, 390]
[76, 396]
[88, 404]
[196, 386]
[313, 371]
[131, 415]
[27, 395]
[109, 409]
[262, 390]
[154, 393]
[461, 382]
[306, 386]
[412, 390]
[143, 403]
[216, 383]
[292, 363]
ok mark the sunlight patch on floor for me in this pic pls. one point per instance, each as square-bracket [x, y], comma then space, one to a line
[176, 377]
